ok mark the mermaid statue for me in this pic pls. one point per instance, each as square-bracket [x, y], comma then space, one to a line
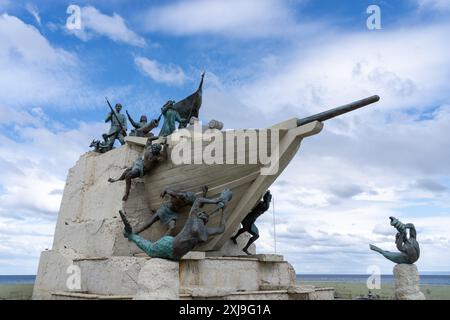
[407, 245]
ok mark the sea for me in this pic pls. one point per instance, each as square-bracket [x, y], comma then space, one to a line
[430, 279]
[28, 279]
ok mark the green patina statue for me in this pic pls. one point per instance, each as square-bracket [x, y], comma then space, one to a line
[101, 146]
[168, 211]
[154, 154]
[408, 246]
[142, 128]
[193, 233]
[248, 224]
[171, 116]
[118, 129]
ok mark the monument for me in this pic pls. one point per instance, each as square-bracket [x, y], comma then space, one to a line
[98, 254]
[406, 275]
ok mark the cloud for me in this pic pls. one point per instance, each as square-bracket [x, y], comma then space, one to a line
[95, 23]
[34, 12]
[433, 4]
[307, 80]
[169, 74]
[252, 18]
[29, 63]
[50, 76]
[430, 185]
[346, 191]
[34, 165]
[337, 194]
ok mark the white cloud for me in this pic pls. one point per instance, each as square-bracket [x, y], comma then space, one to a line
[29, 63]
[252, 18]
[169, 74]
[389, 159]
[93, 22]
[34, 12]
[338, 68]
[34, 167]
[433, 4]
[50, 76]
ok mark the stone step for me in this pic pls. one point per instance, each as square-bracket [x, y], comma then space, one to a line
[207, 294]
[292, 293]
[119, 275]
[63, 295]
[236, 295]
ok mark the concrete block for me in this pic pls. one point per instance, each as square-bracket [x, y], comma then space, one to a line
[158, 280]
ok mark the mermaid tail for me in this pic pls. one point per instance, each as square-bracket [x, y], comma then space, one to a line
[396, 257]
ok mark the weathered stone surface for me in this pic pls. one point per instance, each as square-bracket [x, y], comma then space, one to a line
[269, 257]
[236, 274]
[88, 220]
[407, 282]
[306, 292]
[110, 276]
[230, 249]
[61, 295]
[202, 292]
[158, 280]
[194, 255]
[277, 273]
[52, 275]
[322, 294]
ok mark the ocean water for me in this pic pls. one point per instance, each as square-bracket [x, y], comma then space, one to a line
[17, 279]
[351, 278]
[362, 278]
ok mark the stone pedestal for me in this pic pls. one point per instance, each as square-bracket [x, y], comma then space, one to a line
[196, 276]
[407, 282]
[89, 248]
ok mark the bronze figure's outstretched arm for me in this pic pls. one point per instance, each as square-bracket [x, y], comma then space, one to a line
[172, 193]
[217, 230]
[133, 123]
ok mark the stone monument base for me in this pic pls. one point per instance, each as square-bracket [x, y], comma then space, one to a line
[196, 276]
[91, 259]
[407, 282]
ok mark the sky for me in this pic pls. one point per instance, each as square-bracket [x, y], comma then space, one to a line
[266, 61]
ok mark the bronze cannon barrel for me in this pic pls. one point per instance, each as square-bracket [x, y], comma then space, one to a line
[329, 114]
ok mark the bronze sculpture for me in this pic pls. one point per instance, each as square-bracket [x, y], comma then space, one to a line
[171, 116]
[142, 128]
[193, 233]
[408, 246]
[168, 211]
[248, 224]
[118, 129]
[141, 166]
[101, 146]
[189, 107]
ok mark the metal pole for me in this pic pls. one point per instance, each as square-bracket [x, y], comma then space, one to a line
[274, 226]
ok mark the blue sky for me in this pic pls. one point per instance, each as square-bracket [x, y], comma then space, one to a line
[265, 61]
